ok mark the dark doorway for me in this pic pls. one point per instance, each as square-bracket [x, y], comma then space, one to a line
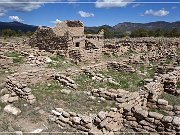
[77, 44]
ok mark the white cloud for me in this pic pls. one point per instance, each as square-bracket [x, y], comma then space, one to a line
[72, 0]
[2, 12]
[56, 21]
[85, 14]
[112, 3]
[161, 12]
[136, 5]
[15, 18]
[22, 5]
[11, 5]
[174, 7]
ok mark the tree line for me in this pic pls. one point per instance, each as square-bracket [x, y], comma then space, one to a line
[155, 33]
[12, 33]
[108, 33]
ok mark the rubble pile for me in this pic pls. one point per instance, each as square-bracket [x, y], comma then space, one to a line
[145, 49]
[143, 121]
[38, 60]
[134, 108]
[17, 89]
[120, 67]
[99, 77]
[117, 119]
[5, 62]
[172, 110]
[122, 97]
[63, 118]
[66, 81]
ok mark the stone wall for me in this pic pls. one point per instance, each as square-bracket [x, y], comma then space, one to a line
[17, 90]
[120, 67]
[64, 80]
[133, 109]
[144, 121]
[162, 104]
[68, 38]
[116, 120]
[46, 39]
[149, 49]
[75, 28]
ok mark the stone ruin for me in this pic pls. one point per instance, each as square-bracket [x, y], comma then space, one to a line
[68, 39]
[132, 109]
[144, 49]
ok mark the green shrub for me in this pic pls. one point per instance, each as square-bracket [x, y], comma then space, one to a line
[178, 85]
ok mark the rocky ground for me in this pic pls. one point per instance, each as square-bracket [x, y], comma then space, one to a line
[134, 90]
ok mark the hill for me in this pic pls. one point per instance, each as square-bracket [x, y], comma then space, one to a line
[17, 26]
[128, 26]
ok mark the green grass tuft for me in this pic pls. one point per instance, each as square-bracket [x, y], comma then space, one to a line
[59, 62]
[172, 99]
[17, 58]
[76, 101]
[178, 85]
[127, 81]
[158, 110]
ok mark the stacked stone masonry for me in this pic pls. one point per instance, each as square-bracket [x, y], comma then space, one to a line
[17, 90]
[67, 38]
[64, 80]
[133, 108]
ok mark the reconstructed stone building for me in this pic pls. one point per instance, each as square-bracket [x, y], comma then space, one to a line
[67, 38]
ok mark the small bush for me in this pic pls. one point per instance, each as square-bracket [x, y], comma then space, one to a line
[178, 85]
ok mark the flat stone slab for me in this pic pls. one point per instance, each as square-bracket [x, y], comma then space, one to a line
[12, 109]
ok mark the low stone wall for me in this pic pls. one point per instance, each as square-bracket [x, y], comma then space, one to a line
[80, 122]
[5, 62]
[157, 48]
[117, 119]
[122, 97]
[64, 80]
[144, 121]
[99, 77]
[104, 122]
[102, 66]
[162, 83]
[154, 88]
[172, 110]
[18, 84]
[120, 67]
[75, 55]
[17, 89]
[93, 68]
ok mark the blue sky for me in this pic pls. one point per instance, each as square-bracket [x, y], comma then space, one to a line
[108, 12]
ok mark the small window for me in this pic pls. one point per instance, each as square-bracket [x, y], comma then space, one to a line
[77, 44]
